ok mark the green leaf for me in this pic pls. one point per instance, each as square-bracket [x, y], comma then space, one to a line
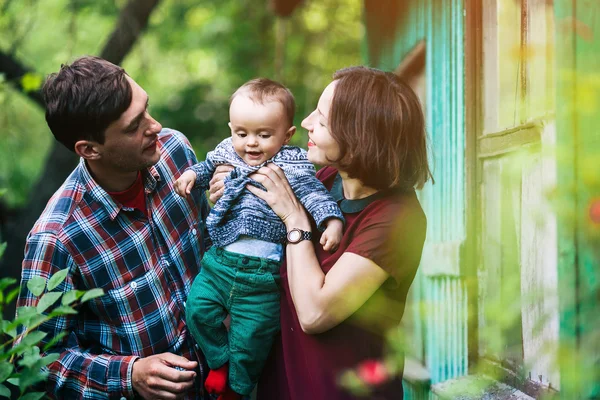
[31, 82]
[4, 391]
[47, 300]
[36, 285]
[57, 278]
[30, 357]
[6, 369]
[12, 294]
[33, 396]
[92, 294]
[36, 320]
[56, 339]
[2, 248]
[5, 282]
[27, 380]
[13, 381]
[49, 359]
[33, 338]
[71, 296]
[62, 310]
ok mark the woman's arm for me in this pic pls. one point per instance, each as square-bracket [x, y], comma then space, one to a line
[322, 301]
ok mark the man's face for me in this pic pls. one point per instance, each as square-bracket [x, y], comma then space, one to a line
[258, 130]
[130, 143]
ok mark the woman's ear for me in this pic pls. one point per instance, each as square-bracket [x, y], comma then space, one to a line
[288, 135]
[87, 149]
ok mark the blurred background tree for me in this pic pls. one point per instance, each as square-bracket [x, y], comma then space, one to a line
[189, 58]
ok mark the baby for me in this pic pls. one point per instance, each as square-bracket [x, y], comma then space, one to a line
[240, 272]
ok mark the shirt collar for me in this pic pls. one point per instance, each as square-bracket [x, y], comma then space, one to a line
[352, 206]
[151, 177]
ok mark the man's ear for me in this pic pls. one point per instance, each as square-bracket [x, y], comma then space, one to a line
[288, 135]
[87, 149]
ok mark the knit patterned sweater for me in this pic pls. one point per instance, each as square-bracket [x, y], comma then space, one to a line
[239, 212]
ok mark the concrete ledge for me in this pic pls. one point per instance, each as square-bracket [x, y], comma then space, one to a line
[477, 387]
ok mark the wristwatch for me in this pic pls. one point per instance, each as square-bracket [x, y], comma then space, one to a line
[297, 235]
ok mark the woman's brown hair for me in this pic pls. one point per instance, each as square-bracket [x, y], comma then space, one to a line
[378, 122]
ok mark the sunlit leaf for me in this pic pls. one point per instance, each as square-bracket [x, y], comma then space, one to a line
[57, 278]
[92, 294]
[13, 381]
[31, 82]
[36, 285]
[71, 296]
[47, 300]
[2, 249]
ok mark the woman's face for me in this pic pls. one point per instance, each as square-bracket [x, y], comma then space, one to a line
[322, 148]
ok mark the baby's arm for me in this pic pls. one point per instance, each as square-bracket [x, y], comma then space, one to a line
[332, 236]
[185, 183]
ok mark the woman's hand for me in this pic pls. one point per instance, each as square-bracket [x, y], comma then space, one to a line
[217, 185]
[279, 196]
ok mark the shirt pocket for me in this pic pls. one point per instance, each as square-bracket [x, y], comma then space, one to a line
[142, 315]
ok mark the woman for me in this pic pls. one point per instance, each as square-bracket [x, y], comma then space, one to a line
[368, 131]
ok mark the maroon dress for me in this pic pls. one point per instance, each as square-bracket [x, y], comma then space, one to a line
[387, 228]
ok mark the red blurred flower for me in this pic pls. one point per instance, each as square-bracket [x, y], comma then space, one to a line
[595, 211]
[373, 372]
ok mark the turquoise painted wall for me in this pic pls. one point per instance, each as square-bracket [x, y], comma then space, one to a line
[440, 24]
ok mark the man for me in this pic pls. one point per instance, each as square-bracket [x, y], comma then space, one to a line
[117, 224]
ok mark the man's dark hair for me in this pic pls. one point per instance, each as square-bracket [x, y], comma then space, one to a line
[84, 98]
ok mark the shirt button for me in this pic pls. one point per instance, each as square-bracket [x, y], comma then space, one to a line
[245, 260]
[292, 329]
[194, 231]
[134, 285]
[184, 305]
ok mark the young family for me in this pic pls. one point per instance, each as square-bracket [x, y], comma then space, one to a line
[290, 279]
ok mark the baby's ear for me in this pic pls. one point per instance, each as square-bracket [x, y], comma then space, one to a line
[288, 135]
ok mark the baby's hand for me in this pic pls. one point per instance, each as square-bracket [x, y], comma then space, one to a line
[331, 238]
[185, 183]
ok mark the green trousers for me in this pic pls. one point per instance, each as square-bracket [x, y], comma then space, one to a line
[247, 289]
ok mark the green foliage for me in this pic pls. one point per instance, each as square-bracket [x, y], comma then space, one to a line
[191, 58]
[21, 361]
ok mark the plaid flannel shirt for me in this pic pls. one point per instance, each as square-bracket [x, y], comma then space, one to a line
[145, 266]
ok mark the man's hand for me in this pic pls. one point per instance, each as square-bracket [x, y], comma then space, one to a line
[216, 184]
[331, 238]
[156, 377]
[185, 183]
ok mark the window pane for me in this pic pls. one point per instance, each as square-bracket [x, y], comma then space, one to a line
[539, 57]
[501, 69]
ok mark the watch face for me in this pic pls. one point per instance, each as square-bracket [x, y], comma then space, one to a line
[294, 236]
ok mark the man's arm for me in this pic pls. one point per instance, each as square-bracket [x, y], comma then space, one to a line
[77, 372]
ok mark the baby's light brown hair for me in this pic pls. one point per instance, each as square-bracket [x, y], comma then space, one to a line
[261, 90]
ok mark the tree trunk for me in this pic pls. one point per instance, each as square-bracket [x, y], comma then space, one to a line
[60, 162]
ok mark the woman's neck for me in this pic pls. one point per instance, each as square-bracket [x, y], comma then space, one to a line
[354, 189]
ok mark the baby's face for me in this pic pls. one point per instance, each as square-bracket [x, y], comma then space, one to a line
[258, 130]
